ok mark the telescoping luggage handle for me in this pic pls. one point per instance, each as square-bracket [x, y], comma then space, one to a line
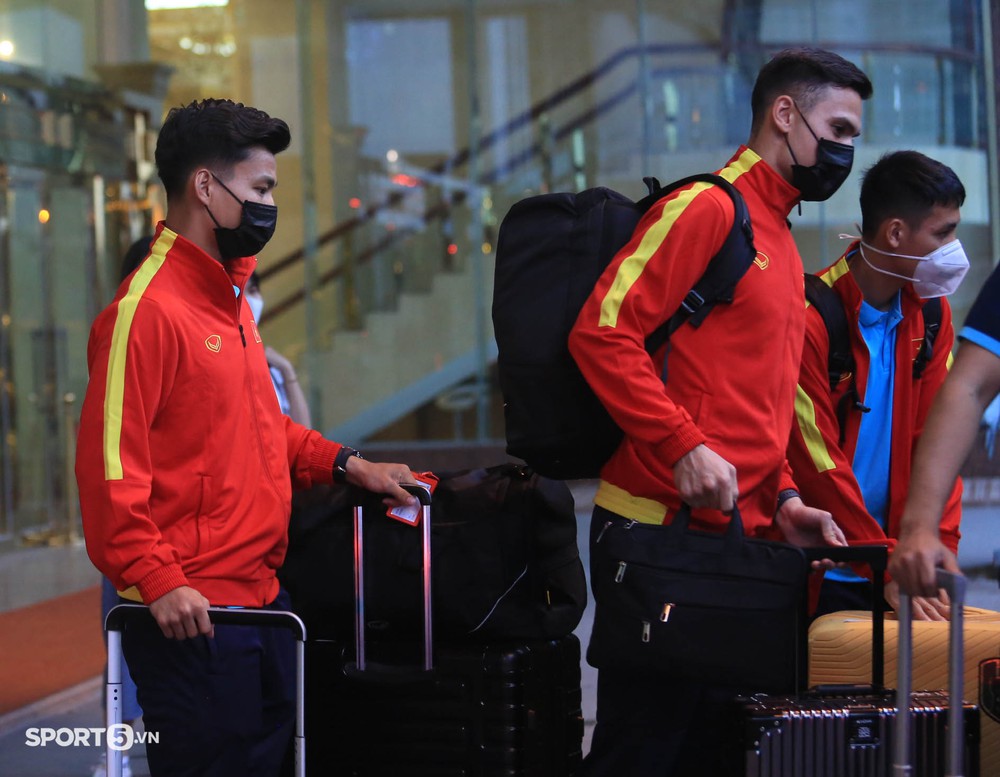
[877, 559]
[955, 586]
[359, 578]
[115, 623]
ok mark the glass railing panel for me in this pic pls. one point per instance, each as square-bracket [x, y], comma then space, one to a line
[918, 102]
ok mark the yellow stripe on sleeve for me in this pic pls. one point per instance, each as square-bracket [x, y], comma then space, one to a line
[114, 394]
[805, 415]
[632, 267]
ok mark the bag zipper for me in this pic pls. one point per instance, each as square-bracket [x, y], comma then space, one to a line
[600, 535]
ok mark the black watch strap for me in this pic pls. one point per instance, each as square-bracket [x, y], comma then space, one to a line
[340, 463]
[783, 496]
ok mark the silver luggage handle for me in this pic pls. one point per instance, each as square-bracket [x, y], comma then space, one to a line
[955, 586]
[359, 578]
[116, 621]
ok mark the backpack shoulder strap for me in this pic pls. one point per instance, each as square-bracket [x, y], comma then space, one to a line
[831, 310]
[839, 360]
[724, 270]
[932, 323]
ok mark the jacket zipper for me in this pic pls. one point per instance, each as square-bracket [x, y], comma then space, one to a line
[253, 408]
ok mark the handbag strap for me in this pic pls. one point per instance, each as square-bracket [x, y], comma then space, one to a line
[680, 524]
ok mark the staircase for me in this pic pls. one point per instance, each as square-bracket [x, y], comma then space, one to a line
[406, 357]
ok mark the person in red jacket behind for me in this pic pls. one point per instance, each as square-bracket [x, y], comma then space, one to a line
[185, 463]
[852, 446]
[717, 431]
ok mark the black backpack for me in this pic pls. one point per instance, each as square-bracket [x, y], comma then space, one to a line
[551, 250]
[840, 361]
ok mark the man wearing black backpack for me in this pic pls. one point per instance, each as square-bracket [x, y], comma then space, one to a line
[858, 421]
[710, 424]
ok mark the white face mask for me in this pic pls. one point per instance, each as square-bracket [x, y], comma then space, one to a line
[256, 303]
[938, 274]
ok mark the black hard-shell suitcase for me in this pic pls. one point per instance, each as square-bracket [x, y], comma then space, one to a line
[500, 709]
[851, 731]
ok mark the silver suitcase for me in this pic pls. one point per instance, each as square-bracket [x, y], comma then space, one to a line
[904, 749]
[856, 731]
[115, 623]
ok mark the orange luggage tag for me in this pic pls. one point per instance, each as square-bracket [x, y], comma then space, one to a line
[410, 514]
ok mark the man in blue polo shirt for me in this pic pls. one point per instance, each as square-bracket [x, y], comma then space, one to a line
[950, 432]
[851, 445]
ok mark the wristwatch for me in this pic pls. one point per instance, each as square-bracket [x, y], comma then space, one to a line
[340, 463]
[784, 495]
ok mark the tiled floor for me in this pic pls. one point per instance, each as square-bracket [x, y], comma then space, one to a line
[81, 709]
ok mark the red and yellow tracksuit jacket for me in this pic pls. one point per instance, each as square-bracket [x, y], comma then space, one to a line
[184, 462]
[731, 382]
[822, 466]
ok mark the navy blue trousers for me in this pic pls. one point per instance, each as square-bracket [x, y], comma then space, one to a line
[220, 707]
[652, 728]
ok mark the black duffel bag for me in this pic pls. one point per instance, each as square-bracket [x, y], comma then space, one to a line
[505, 561]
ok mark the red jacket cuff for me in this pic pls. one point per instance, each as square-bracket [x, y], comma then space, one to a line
[161, 581]
[682, 442]
[321, 461]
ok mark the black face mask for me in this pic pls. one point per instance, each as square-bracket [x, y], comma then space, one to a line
[257, 222]
[819, 181]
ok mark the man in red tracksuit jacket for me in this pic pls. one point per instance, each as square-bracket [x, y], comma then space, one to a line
[718, 430]
[857, 464]
[185, 464]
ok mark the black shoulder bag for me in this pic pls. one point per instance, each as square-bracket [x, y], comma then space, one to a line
[673, 602]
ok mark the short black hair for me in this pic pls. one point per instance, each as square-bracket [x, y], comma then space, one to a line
[804, 73]
[906, 185]
[213, 132]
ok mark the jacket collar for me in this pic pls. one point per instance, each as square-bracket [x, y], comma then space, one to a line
[839, 276]
[205, 274]
[777, 194]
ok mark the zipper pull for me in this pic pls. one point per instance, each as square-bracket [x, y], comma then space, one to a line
[243, 337]
[645, 631]
[665, 615]
[600, 534]
[621, 572]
